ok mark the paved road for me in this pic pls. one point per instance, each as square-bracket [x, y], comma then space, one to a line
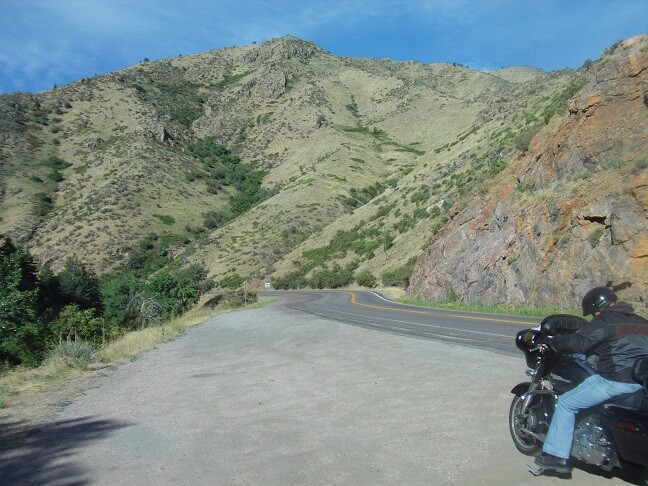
[372, 310]
[276, 396]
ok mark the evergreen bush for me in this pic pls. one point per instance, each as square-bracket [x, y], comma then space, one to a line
[22, 330]
[46, 312]
[366, 279]
[80, 285]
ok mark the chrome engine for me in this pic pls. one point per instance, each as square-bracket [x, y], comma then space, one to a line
[591, 444]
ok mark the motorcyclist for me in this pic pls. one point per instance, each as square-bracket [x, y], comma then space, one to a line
[618, 337]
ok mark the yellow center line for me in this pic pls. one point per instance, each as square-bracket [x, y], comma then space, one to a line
[354, 301]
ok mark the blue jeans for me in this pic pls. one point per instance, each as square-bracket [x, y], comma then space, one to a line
[593, 391]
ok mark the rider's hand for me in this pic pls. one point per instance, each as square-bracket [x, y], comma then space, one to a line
[545, 344]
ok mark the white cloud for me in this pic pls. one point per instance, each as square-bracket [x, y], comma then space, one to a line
[103, 18]
[44, 42]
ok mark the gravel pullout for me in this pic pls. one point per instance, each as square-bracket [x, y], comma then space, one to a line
[274, 396]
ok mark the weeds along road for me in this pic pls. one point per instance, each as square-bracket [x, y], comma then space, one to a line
[279, 396]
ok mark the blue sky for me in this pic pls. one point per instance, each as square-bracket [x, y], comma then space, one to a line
[44, 43]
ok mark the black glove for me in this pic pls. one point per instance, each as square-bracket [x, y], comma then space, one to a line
[546, 342]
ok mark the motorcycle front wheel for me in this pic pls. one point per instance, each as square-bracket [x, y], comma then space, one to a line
[521, 424]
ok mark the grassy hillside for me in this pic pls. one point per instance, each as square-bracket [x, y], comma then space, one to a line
[373, 151]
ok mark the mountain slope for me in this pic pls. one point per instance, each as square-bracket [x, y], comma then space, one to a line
[373, 155]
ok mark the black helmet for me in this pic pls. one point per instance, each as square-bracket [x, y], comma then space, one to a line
[598, 299]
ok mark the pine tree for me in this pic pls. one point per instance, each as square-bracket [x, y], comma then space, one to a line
[22, 334]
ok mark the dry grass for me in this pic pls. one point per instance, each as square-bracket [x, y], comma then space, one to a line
[133, 344]
[400, 295]
[20, 387]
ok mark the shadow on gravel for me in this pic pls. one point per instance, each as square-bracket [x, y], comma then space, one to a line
[45, 454]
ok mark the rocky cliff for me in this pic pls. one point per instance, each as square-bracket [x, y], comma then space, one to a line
[568, 214]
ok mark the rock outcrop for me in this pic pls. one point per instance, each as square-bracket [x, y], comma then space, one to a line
[570, 214]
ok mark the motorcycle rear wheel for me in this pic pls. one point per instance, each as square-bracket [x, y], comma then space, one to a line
[524, 442]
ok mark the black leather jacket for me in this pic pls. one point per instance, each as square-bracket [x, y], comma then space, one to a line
[618, 336]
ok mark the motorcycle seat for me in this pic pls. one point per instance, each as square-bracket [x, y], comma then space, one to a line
[636, 401]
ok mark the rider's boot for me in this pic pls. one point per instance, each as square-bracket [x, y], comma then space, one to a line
[549, 462]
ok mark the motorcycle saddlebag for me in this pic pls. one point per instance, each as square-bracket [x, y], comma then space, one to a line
[629, 429]
[640, 372]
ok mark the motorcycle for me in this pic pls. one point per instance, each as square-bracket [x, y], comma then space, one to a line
[610, 436]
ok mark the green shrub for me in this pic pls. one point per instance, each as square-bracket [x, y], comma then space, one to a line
[404, 224]
[421, 196]
[230, 79]
[595, 236]
[352, 107]
[76, 324]
[451, 295]
[641, 164]
[169, 92]
[524, 138]
[366, 279]
[119, 293]
[558, 103]
[239, 297]
[145, 263]
[231, 281]
[42, 204]
[213, 186]
[80, 285]
[332, 278]
[56, 176]
[57, 163]
[291, 280]
[400, 276]
[363, 240]
[22, 329]
[610, 50]
[74, 354]
[133, 302]
[226, 169]
[613, 164]
[438, 225]
[165, 218]
[176, 290]
[213, 219]
[148, 242]
[152, 251]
